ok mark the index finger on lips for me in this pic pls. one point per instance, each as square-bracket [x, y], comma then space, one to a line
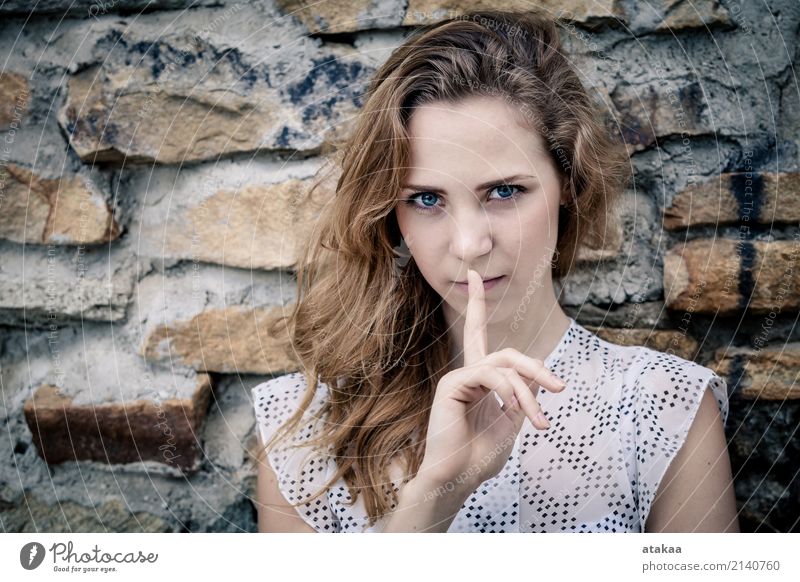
[475, 340]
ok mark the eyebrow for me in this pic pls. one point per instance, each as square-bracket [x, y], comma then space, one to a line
[483, 186]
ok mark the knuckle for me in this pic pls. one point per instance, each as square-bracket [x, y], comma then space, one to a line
[513, 355]
[443, 386]
[475, 372]
[486, 368]
[506, 371]
[509, 356]
[448, 377]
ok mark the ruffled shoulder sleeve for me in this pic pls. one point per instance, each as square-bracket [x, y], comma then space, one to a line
[667, 392]
[301, 470]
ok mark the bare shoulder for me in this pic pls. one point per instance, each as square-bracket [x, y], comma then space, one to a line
[696, 493]
[275, 513]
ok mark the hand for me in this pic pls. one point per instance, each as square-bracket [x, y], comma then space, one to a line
[470, 436]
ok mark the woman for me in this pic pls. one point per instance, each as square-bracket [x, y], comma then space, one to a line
[478, 155]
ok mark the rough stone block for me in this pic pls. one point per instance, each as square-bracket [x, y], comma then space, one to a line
[258, 221]
[33, 515]
[221, 340]
[768, 373]
[668, 341]
[214, 319]
[188, 101]
[68, 211]
[121, 432]
[726, 276]
[655, 110]
[426, 11]
[742, 197]
[15, 95]
[95, 8]
[44, 286]
[675, 15]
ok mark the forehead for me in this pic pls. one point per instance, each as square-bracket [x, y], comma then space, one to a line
[479, 132]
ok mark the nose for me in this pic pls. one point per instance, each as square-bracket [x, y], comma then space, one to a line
[471, 235]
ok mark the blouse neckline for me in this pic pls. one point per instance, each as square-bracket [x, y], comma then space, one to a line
[558, 351]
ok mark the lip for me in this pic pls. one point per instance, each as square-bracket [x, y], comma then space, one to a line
[487, 284]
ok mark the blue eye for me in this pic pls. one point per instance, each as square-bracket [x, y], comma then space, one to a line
[428, 196]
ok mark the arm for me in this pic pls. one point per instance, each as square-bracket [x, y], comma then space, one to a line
[696, 493]
[275, 514]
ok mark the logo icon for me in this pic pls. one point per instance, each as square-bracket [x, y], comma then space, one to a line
[31, 555]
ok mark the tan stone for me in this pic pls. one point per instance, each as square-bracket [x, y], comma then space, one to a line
[33, 515]
[652, 111]
[770, 373]
[118, 432]
[726, 276]
[606, 243]
[15, 97]
[231, 340]
[427, 11]
[256, 227]
[732, 198]
[67, 211]
[127, 115]
[332, 17]
[338, 16]
[668, 341]
[680, 14]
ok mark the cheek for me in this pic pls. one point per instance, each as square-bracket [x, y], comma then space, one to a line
[408, 222]
[419, 227]
[541, 223]
[529, 225]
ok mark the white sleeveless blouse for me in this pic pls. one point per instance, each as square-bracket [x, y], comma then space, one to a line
[614, 430]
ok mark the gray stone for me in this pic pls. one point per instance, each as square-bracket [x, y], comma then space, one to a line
[94, 364]
[44, 285]
[32, 515]
[98, 8]
[631, 276]
[187, 99]
[673, 16]
[251, 215]
[230, 421]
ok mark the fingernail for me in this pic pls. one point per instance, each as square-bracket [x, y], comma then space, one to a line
[541, 418]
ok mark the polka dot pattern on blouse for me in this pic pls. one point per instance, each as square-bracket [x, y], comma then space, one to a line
[615, 428]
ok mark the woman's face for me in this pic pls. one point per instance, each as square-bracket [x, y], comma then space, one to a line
[482, 193]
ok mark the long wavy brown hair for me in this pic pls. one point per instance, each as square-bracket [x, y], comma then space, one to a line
[375, 333]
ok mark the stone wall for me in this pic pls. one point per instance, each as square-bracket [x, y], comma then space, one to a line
[149, 222]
